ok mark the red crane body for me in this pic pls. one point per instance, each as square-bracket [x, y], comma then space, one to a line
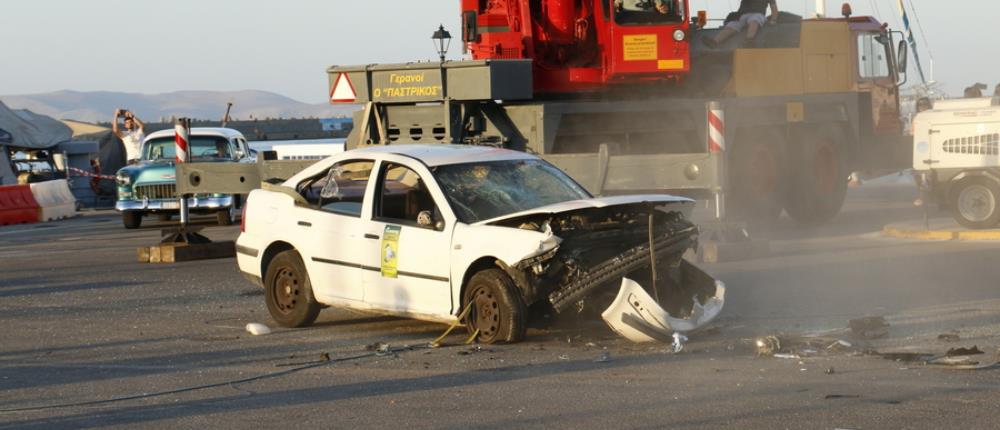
[583, 45]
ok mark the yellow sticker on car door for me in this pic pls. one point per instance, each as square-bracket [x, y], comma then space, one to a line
[390, 251]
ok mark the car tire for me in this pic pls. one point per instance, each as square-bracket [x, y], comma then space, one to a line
[226, 216]
[498, 313]
[132, 219]
[288, 292]
[975, 203]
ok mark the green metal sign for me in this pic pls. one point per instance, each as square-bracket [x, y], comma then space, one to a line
[406, 86]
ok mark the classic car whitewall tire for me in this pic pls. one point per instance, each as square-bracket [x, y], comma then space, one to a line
[132, 219]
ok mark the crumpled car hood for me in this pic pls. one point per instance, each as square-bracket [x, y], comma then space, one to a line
[597, 202]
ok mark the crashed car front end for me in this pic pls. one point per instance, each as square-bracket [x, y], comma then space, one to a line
[584, 250]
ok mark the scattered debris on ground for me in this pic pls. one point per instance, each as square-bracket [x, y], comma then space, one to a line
[258, 329]
[956, 352]
[796, 347]
[949, 337]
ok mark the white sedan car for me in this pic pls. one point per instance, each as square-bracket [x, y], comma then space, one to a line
[426, 231]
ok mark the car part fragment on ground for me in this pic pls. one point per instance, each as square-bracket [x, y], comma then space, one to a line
[869, 327]
[954, 358]
[258, 329]
[639, 318]
[949, 337]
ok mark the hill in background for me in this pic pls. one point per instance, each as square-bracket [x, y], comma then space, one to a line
[99, 106]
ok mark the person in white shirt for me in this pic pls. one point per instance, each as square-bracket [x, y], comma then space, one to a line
[131, 136]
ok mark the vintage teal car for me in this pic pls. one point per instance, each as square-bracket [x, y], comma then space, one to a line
[149, 186]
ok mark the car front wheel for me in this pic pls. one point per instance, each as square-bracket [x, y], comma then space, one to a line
[288, 292]
[498, 313]
[132, 219]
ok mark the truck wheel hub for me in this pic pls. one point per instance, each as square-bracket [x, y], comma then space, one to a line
[976, 203]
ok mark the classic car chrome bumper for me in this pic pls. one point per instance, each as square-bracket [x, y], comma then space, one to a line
[174, 204]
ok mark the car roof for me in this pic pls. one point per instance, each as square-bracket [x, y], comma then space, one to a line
[227, 133]
[444, 154]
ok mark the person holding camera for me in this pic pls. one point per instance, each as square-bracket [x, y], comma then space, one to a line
[132, 136]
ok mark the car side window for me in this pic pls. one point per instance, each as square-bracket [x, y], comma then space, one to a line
[403, 197]
[340, 189]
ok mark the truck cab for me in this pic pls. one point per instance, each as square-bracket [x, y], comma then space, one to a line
[583, 45]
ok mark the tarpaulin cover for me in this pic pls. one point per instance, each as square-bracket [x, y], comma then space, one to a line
[27, 130]
[31, 130]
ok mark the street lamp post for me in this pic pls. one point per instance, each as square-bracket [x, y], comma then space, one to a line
[442, 41]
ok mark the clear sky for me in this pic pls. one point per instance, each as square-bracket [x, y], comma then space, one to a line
[285, 46]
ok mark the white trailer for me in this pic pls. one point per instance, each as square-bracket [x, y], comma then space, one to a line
[956, 147]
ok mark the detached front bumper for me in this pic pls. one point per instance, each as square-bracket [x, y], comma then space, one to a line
[638, 317]
[194, 203]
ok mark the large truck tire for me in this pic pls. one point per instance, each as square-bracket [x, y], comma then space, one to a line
[975, 203]
[759, 176]
[818, 184]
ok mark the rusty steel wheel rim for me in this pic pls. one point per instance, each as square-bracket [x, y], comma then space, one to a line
[487, 313]
[286, 290]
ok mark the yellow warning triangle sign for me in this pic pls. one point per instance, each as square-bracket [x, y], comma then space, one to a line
[343, 90]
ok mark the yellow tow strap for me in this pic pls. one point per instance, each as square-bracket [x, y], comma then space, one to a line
[465, 312]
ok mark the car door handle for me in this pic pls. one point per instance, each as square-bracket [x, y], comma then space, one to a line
[305, 224]
[371, 236]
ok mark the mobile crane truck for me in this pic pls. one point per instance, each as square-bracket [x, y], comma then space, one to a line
[622, 100]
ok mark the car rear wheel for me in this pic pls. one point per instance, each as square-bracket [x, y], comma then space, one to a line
[498, 313]
[974, 203]
[288, 292]
[132, 219]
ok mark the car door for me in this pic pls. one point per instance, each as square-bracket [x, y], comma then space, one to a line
[408, 240]
[331, 228]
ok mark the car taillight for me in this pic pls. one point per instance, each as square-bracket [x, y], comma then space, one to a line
[243, 219]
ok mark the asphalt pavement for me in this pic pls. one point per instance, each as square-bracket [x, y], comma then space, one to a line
[92, 338]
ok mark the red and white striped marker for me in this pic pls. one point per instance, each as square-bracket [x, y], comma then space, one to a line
[716, 128]
[182, 132]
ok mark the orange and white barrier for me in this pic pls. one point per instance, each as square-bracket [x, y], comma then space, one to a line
[17, 205]
[55, 201]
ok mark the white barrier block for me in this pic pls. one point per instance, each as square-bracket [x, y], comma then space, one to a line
[55, 199]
